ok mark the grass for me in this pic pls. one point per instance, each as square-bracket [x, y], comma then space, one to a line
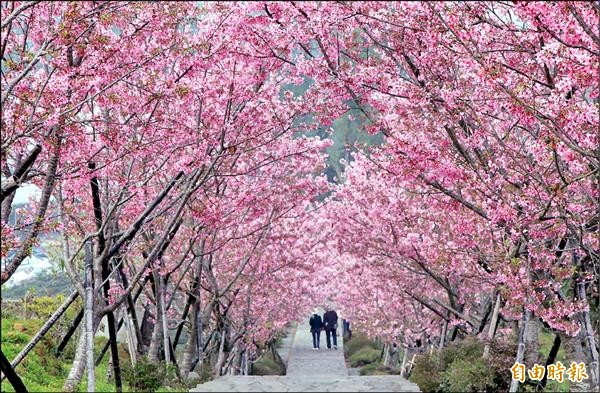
[41, 370]
[546, 340]
[364, 353]
[364, 356]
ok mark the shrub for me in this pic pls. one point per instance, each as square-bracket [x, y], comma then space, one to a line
[428, 373]
[468, 348]
[43, 306]
[15, 337]
[369, 369]
[378, 369]
[364, 356]
[145, 376]
[357, 343]
[460, 367]
[468, 375]
[502, 357]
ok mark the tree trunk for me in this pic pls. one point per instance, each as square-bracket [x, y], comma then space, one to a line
[194, 344]
[26, 246]
[191, 345]
[533, 341]
[11, 183]
[89, 318]
[443, 334]
[395, 353]
[233, 362]
[573, 348]
[112, 336]
[589, 335]
[383, 354]
[221, 356]
[486, 315]
[131, 340]
[163, 317]
[493, 325]
[244, 363]
[132, 321]
[190, 303]
[121, 321]
[155, 342]
[105, 273]
[74, 378]
[514, 384]
[404, 360]
[6, 208]
[411, 364]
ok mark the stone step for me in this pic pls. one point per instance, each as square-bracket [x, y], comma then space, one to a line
[315, 383]
[310, 371]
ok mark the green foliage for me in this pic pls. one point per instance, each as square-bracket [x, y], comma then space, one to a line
[378, 369]
[468, 348]
[428, 373]
[358, 342]
[364, 356]
[145, 376]
[369, 369]
[42, 370]
[365, 353]
[14, 337]
[460, 367]
[43, 306]
[468, 375]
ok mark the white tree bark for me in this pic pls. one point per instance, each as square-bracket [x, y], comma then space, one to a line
[404, 359]
[493, 323]
[74, 378]
[131, 340]
[514, 384]
[443, 334]
[89, 318]
[589, 335]
[221, 357]
[165, 331]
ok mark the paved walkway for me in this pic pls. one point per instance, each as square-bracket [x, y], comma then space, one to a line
[310, 371]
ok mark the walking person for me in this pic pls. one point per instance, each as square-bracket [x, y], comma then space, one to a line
[330, 319]
[316, 325]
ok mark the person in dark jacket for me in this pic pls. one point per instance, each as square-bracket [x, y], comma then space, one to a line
[330, 320]
[316, 325]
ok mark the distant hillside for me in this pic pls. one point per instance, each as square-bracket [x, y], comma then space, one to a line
[45, 283]
[346, 132]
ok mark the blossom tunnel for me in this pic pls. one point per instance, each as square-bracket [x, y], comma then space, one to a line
[430, 169]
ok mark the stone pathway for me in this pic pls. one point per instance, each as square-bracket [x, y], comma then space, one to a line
[310, 371]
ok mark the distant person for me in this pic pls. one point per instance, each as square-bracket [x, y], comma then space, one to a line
[346, 327]
[330, 320]
[316, 325]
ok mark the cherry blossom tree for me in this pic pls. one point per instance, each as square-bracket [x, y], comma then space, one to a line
[172, 138]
